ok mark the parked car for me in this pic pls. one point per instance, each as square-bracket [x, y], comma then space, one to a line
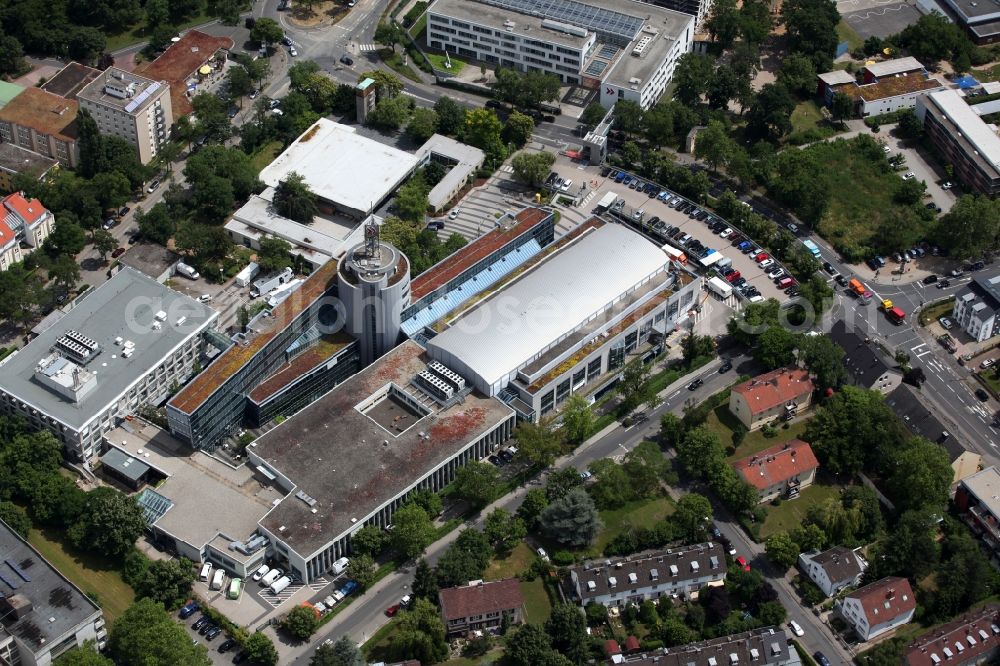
[392, 610]
[542, 554]
[776, 273]
[821, 658]
[123, 211]
[227, 645]
[189, 609]
[765, 263]
[693, 386]
[119, 251]
[742, 561]
[347, 60]
[200, 622]
[586, 474]
[982, 395]
[930, 279]
[153, 185]
[987, 363]
[454, 214]
[909, 175]
[796, 628]
[842, 280]
[726, 366]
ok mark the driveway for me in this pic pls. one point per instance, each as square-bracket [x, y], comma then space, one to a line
[923, 168]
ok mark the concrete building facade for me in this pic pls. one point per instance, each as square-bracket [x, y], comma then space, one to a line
[130, 107]
[878, 608]
[773, 395]
[965, 140]
[977, 307]
[43, 123]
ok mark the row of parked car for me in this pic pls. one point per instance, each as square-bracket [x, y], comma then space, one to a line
[207, 628]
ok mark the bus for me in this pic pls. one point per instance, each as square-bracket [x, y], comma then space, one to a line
[812, 247]
[235, 587]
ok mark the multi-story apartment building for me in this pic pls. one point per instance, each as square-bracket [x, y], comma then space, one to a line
[879, 607]
[124, 345]
[43, 123]
[973, 638]
[977, 497]
[10, 248]
[782, 470]
[28, 219]
[966, 141]
[42, 613]
[131, 107]
[674, 572]
[977, 307]
[766, 646]
[771, 396]
[833, 569]
[624, 48]
[481, 605]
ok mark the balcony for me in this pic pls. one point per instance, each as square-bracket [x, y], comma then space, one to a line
[984, 523]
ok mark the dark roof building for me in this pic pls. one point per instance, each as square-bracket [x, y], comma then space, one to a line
[480, 605]
[70, 80]
[974, 638]
[15, 160]
[869, 368]
[833, 569]
[40, 608]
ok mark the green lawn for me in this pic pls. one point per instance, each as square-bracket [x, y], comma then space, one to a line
[931, 312]
[137, 32]
[265, 155]
[94, 575]
[790, 513]
[537, 606]
[643, 513]
[395, 62]
[806, 116]
[723, 423]
[438, 61]
[846, 33]
[417, 29]
[990, 377]
[513, 565]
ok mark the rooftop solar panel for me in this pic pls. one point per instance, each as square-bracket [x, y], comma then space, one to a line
[18, 570]
[605, 22]
[141, 97]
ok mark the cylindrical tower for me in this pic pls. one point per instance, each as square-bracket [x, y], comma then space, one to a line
[374, 286]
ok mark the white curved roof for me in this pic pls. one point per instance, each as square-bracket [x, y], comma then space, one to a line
[507, 330]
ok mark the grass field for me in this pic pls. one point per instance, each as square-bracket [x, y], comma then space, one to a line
[790, 513]
[723, 423]
[94, 575]
[537, 606]
[513, 565]
[438, 62]
[643, 513]
[265, 155]
[806, 116]
[846, 33]
[395, 62]
[137, 33]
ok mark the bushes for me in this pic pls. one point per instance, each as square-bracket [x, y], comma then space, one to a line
[411, 16]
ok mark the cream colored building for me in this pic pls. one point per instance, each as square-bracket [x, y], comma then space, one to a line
[132, 107]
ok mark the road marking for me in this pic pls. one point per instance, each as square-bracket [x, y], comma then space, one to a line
[951, 388]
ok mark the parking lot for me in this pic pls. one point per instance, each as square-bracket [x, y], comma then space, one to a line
[701, 231]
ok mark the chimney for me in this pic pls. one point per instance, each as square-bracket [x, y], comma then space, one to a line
[891, 594]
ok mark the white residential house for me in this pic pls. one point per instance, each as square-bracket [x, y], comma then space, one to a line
[879, 607]
[833, 569]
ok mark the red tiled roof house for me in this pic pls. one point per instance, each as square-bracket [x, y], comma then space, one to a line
[771, 396]
[782, 470]
[30, 221]
[10, 249]
[882, 606]
[480, 605]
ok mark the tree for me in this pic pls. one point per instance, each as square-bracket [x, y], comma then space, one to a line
[910, 550]
[844, 425]
[770, 115]
[577, 419]
[15, 517]
[388, 34]
[428, 500]
[532, 506]
[724, 23]
[841, 107]
[239, 82]
[260, 649]
[145, 635]
[920, 476]
[714, 146]
[537, 443]
[819, 294]
[699, 446]
[571, 520]
[695, 347]
[157, 224]
[420, 635]
[104, 242]
[167, 581]
[11, 55]
[344, 652]
[518, 129]
[811, 27]
[528, 646]
[361, 569]
[411, 199]
[825, 360]
[450, 115]
[560, 482]
[568, 629]
[157, 13]
[275, 254]
[482, 130]
[971, 226]
[504, 530]
[387, 84]
[266, 31]
[782, 550]
[775, 347]
[531, 168]
[425, 584]
[632, 385]
[628, 116]
[293, 199]
[110, 524]
[301, 622]
[692, 517]
[413, 530]
[593, 114]
[724, 85]
[85, 655]
[910, 126]
[90, 144]
[798, 74]
[476, 482]
[465, 560]
[369, 540]
[422, 125]
[691, 78]
[391, 113]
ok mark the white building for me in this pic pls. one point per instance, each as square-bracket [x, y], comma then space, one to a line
[131, 107]
[28, 219]
[833, 569]
[675, 572]
[120, 347]
[44, 613]
[624, 48]
[977, 307]
[878, 608]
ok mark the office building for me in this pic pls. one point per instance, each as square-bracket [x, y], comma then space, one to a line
[833, 569]
[130, 107]
[973, 638]
[623, 48]
[674, 572]
[42, 613]
[878, 608]
[124, 345]
[783, 470]
[767, 646]
[480, 606]
[772, 396]
[352, 457]
[977, 307]
[966, 142]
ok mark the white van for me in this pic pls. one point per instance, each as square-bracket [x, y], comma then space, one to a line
[339, 566]
[280, 584]
[260, 573]
[217, 580]
[206, 572]
[270, 577]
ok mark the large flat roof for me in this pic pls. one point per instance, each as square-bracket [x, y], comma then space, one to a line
[894, 66]
[668, 25]
[337, 455]
[229, 362]
[966, 121]
[485, 14]
[324, 349]
[18, 160]
[342, 166]
[507, 330]
[985, 485]
[58, 607]
[70, 80]
[238, 498]
[143, 90]
[892, 86]
[180, 61]
[43, 112]
[125, 306]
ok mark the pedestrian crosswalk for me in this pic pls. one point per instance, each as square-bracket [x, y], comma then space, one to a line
[506, 168]
[367, 47]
